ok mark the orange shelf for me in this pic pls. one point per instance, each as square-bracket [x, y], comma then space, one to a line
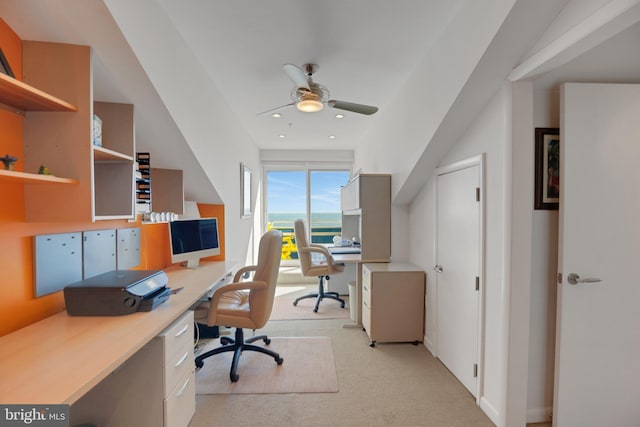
[15, 93]
[33, 178]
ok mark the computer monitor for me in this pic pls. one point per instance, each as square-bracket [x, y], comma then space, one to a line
[192, 239]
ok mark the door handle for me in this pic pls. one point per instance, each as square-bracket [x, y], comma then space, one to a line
[438, 269]
[574, 279]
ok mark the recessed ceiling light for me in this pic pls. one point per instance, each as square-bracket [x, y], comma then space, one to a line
[282, 135]
[332, 137]
[276, 115]
[339, 116]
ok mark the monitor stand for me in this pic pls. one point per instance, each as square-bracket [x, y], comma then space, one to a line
[193, 263]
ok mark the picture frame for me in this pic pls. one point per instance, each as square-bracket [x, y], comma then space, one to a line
[547, 169]
[5, 68]
[245, 191]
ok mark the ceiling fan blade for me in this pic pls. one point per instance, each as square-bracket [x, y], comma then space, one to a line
[276, 109]
[296, 74]
[354, 108]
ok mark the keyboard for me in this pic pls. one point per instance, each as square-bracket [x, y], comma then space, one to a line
[344, 250]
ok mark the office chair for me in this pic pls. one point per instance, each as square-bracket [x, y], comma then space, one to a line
[322, 270]
[245, 304]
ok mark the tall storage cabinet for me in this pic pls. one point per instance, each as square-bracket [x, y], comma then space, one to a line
[63, 142]
[393, 302]
[366, 214]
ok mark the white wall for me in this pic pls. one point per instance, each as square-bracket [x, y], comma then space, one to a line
[406, 126]
[486, 135]
[196, 106]
[544, 267]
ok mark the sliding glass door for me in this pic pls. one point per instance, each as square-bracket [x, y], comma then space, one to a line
[307, 194]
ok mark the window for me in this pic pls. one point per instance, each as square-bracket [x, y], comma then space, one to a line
[311, 195]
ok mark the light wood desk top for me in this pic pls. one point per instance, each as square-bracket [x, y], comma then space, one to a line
[355, 258]
[58, 359]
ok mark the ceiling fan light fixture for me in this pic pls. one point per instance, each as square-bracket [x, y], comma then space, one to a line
[309, 105]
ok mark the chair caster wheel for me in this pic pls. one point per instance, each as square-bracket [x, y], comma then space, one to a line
[279, 360]
[372, 344]
[234, 377]
[267, 341]
[341, 305]
[315, 310]
[295, 303]
[199, 363]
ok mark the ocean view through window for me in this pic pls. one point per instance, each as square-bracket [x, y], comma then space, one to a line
[313, 196]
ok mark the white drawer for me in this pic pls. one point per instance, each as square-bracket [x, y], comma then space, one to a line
[180, 405]
[366, 318]
[177, 367]
[178, 337]
[366, 274]
[366, 293]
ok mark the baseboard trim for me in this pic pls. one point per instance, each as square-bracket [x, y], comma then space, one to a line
[429, 344]
[539, 415]
[489, 410]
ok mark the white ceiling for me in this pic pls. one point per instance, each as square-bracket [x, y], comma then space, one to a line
[365, 50]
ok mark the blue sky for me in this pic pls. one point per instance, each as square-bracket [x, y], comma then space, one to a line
[286, 190]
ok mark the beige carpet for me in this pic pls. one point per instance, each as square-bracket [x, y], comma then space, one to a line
[308, 367]
[283, 308]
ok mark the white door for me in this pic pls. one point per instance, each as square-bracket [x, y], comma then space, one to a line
[458, 266]
[598, 327]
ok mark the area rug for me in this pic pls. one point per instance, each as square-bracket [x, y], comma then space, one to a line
[283, 308]
[308, 367]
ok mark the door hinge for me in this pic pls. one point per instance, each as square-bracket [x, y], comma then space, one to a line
[560, 278]
[475, 370]
[477, 283]
[477, 194]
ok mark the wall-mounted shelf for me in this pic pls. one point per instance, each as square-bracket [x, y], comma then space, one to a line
[34, 178]
[104, 154]
[15, 93]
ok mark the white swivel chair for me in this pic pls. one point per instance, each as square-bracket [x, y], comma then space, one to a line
[322, 269]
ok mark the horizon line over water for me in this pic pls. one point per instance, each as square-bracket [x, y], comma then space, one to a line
[325, 225]
[332, 219]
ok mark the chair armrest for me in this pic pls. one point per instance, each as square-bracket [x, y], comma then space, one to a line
[322, 250]
[229, 287]
[240, 272]
[317, 249]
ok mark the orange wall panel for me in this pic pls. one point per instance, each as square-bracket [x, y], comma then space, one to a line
[215, 211]
[18, 305]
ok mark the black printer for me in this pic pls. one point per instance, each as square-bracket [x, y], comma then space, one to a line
[117, 292]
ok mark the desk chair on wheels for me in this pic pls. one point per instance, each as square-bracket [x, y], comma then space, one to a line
[323, 270]
[245, 304]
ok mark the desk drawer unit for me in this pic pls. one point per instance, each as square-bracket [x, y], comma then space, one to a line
[180, 404]
[366, 301]
[393, 302]
[179, 371]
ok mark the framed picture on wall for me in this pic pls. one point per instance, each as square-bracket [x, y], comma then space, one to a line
[4, 65]
[547, 168]
[245, 191]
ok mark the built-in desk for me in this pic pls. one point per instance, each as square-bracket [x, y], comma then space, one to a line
[358, 261]
[59, 359]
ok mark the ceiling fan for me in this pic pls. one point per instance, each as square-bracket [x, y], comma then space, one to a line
[310, 97]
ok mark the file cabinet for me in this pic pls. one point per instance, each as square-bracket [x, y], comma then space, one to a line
[393, 302]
